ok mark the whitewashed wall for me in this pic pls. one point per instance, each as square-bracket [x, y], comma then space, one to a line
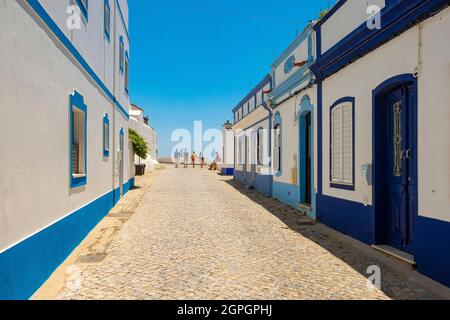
[290, 135]
[360, 78]
[301, 54]
[350, 16]
[36, 78]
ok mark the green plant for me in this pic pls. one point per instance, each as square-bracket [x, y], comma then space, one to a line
[323, 13]
[140, 146]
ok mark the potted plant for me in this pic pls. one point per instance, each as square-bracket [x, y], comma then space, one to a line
[140, 148]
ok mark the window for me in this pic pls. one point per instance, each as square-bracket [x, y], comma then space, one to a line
[127, 73]
[78, 144]
[240, 149]
[259, 146]
[107, 19]
[341, 144]
[277, 148]
[121, 54]
[105, 136]
[83, 5]
[277, 158]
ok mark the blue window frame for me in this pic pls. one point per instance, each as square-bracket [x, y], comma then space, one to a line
[127, 73]
[342, 144]
[84, 7]
[107, 19]
[78, 141]
[106, 136]
[277, 156]
[121, 54]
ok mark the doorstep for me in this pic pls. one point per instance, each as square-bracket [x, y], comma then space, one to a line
[393, 252]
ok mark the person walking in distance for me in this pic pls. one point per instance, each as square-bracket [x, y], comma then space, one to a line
[186, 158]
[202, 160]
[193, 159]
[176, 157]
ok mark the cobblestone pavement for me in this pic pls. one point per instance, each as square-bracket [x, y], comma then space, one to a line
[191, 234]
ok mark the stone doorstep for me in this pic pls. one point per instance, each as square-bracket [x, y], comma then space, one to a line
[398, 254]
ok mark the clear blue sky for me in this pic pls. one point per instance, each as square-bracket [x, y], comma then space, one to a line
[196, 59]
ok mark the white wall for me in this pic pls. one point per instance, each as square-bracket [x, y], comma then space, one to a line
[350, 16]
[400, 56]
[290, 135]
[301, 54]
[36, 78]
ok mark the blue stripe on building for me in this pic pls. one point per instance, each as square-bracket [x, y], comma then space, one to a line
[27, 265]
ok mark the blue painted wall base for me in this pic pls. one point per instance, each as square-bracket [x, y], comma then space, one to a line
[432, 237]
[263, 183]
[27, 265]
[286, 193]
[348, 217]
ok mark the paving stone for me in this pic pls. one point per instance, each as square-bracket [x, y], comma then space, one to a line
[191, 234]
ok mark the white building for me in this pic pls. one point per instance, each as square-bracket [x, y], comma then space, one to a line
[66, 159]
[384, 127]
[293, 103]
[360, 140]
[140, 123]
[252, 126]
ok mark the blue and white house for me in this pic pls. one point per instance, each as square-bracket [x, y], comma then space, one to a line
[252, 126]
[359, 113]
[293, 105]
[64, 120]
[383, 127]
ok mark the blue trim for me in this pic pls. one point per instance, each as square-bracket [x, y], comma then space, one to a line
[289, 64]
[300, 38]
[260, 86]
[40, 11]
[301, 76]
[77, 100]
[106, 148]
[83, 9]
[337, 185]
[348, 217]
[263, 184]
[319, 137]
[127, 73]
[123, 20]
[328, 15]
[286, 193]
[27, 265]
[278, 121]
[396, 17]
[121, 54]
[305, 108]
[432, 252]
[378, 171]
[106, 23]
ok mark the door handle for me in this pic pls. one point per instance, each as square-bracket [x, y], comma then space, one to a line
[408, 154]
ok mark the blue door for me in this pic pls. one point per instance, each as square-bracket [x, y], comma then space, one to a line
[399, 169]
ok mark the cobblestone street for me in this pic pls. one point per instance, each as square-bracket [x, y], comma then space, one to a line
[191, 234]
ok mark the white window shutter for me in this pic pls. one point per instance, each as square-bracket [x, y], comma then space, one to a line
[342, 144]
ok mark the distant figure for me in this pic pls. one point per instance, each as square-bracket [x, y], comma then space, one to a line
[186, 158]
[202, 160]
[193, 159]
[216, 161]
[177, 156]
